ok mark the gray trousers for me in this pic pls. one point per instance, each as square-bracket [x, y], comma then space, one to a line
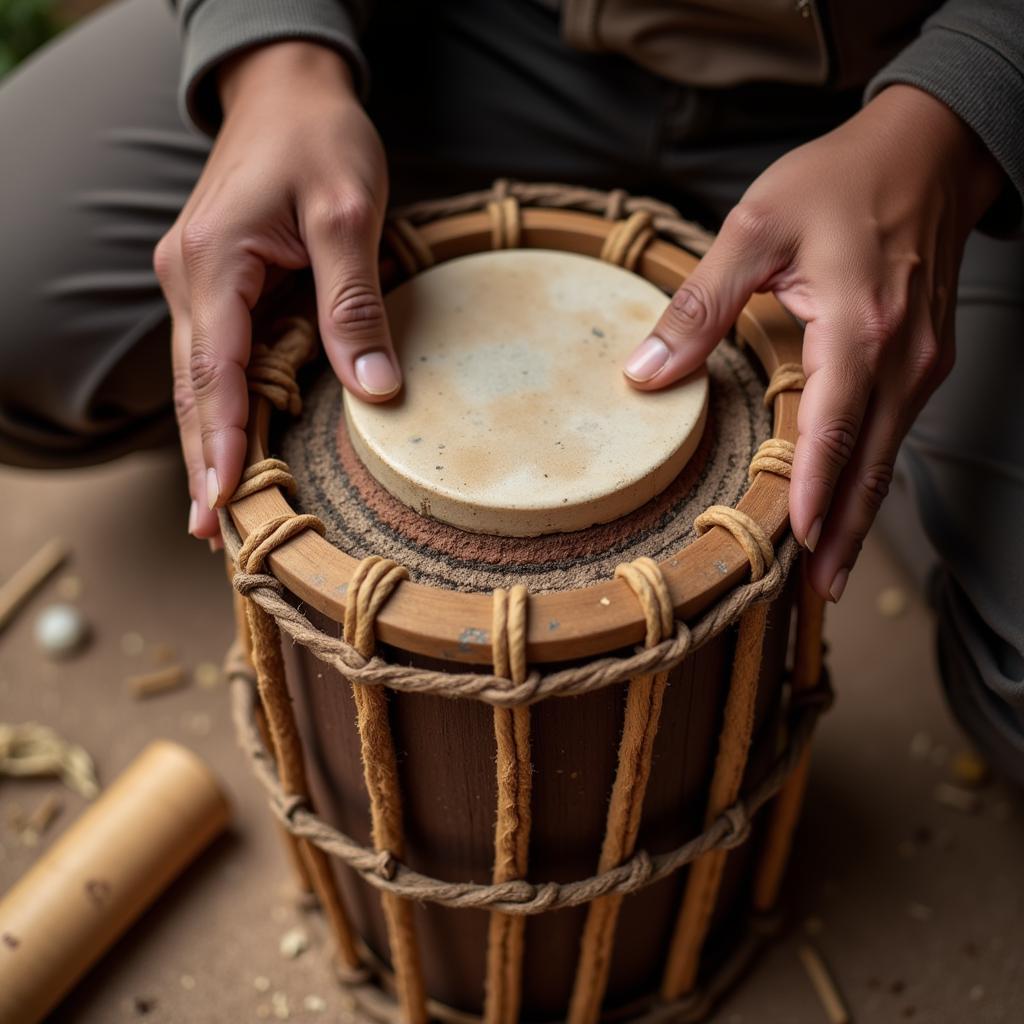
[96, 164]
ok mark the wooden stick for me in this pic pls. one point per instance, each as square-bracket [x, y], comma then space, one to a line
[19, 587]
[148, 684]
[824, 986]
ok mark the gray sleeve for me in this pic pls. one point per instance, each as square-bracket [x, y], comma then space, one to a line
[213, 30]
[970, 55]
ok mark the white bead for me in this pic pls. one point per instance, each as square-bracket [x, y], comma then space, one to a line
[60, 630]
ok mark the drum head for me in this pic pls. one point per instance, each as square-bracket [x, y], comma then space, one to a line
[515, 418]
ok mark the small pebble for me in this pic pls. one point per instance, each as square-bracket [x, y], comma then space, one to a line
[919, 911]
[605, 601]
[132, 644]
[294, 943]
[188, 982]
[207, 675]
[920, 745]
[968, 769]
[61, 630]
[892, 602]
[976, 994]
[69, 588]
[260, 983]
[279, 1002]
[315, 1004]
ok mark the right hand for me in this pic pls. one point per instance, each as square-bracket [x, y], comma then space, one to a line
[296, 178]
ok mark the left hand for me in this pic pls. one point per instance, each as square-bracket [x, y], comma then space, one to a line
[859, 234]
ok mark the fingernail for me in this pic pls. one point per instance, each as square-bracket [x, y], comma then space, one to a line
[216, 544]
[376, 374]
[839, 584]
[811, 540]
[193, 516]
[212, 487]
[647, 359]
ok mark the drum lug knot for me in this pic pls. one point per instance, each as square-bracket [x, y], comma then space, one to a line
[386, 865]
[739, 826]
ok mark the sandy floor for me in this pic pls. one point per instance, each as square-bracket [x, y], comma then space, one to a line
[917, 907]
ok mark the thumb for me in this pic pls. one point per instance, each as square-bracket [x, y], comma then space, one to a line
[706, 305]
[342, 247]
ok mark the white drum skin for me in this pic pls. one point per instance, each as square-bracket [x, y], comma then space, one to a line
[515, 418]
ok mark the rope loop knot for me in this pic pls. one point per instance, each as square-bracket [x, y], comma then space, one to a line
[738, 820]
[273, 368]
[773, 456]
[266, 538]
[787, 377]
[747, 532]
[262, 474]
[628, 238]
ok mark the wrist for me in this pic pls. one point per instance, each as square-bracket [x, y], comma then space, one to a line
[927, 129]
[279, 67]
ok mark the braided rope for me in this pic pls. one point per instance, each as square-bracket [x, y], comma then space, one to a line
[267, 592]
[385, 872]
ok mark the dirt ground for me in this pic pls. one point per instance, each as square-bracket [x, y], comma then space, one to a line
[918, 907]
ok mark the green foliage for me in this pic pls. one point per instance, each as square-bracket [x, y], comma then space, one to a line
[24, 26]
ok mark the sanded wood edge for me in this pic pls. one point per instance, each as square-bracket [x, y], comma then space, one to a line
[567, 624]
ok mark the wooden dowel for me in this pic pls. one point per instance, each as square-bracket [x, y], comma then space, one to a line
[19, 587]
[824, 985]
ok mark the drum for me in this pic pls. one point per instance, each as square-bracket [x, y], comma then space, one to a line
[526, 659]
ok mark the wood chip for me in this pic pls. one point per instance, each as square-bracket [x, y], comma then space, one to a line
[208, 675]
[963, 800]
[294, 943]
[149, 684]
[828, 994]
[19, 587]
[41, 818]
[969, 769]
[892, 602]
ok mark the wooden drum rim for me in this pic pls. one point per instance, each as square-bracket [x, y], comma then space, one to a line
[568, 624]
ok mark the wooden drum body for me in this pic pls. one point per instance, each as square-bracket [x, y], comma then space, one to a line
[515, 799]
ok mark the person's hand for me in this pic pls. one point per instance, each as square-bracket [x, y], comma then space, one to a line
[296, 178]
[860, 234]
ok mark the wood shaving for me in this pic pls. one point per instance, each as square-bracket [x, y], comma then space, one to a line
[32, 751]
[150, 684]
[44, 815]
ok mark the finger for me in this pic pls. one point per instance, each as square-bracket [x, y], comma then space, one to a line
[840, 369]
[860, 493]
[223, 289]
[749, 250]
[342, 240]
[202, 522]
[908, 376]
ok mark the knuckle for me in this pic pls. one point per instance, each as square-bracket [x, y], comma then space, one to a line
[198, 239]
[203, 369]
[349, 214]
[357, 311]
[184, 398]
[165, 256]
[691, 306]
[751, 222]
[879, 323]
[835, 440]
[874, 482]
